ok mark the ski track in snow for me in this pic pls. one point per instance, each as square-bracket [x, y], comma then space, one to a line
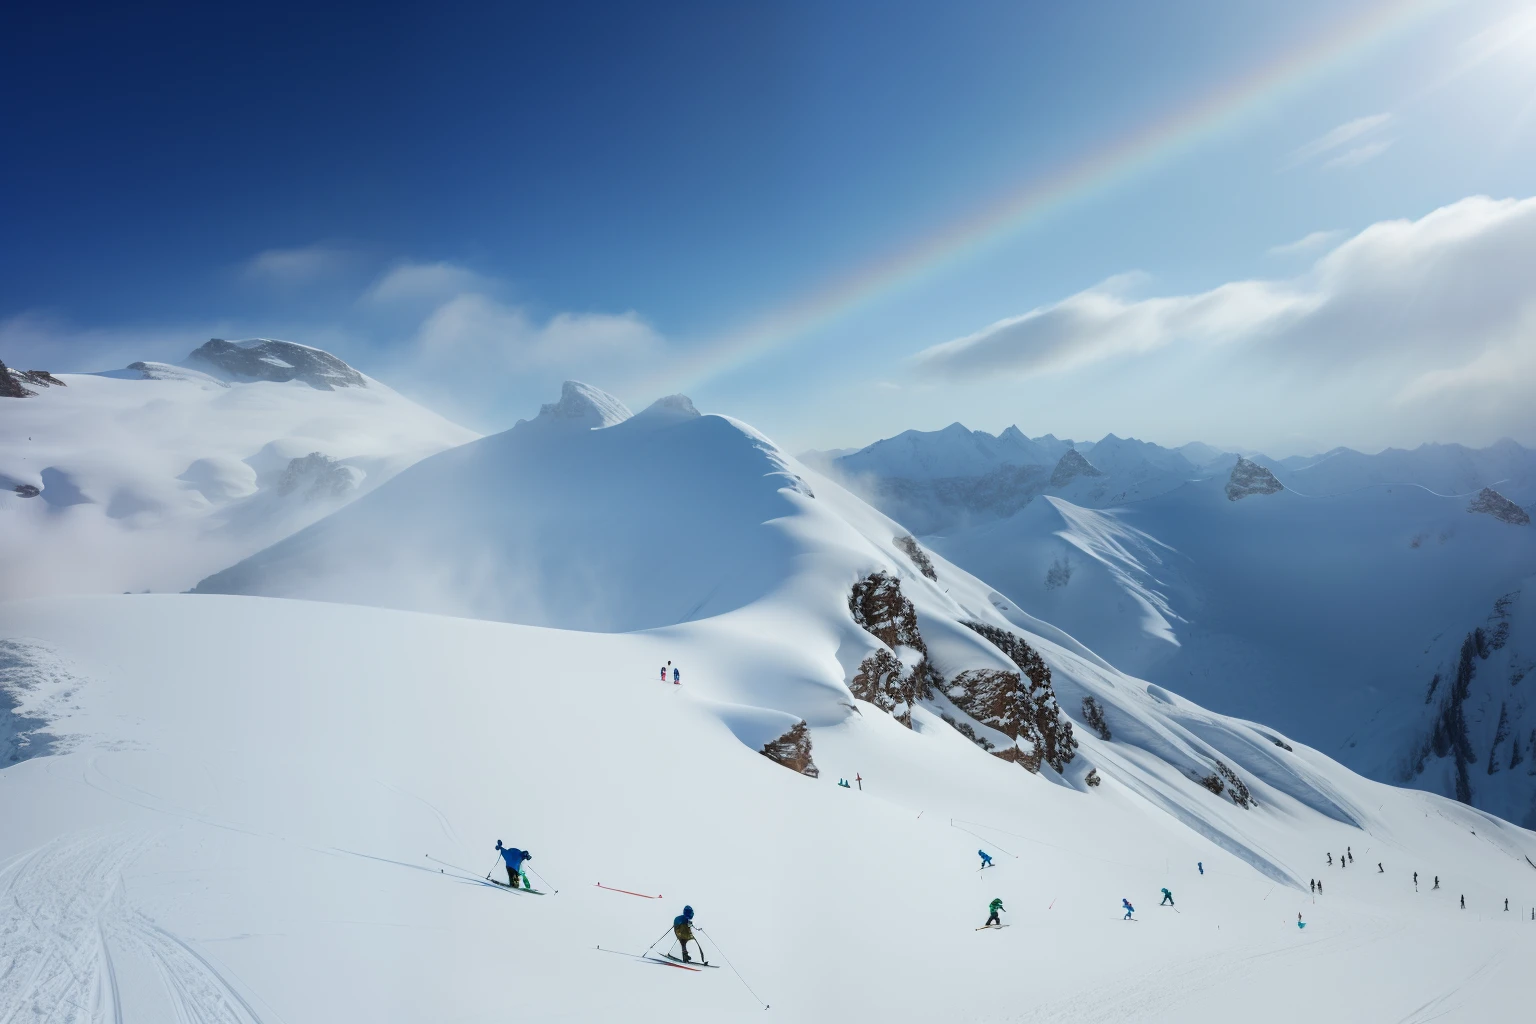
[66, 915]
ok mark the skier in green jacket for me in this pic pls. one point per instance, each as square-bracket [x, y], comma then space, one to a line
[995, 906]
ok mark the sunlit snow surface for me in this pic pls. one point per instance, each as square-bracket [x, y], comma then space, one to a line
[236, 828]
[229, 804]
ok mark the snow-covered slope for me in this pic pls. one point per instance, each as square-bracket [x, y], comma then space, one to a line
[252, 808]
[1319, 615]
[266, 810]
[154, 476]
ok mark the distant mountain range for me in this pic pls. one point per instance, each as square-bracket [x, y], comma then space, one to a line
[935, 481]
[1374, 605]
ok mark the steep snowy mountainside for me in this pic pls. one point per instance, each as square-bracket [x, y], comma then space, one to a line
[153, 476]
[163, 864]
[1310, 614]
[746, 542]
[1477, 732]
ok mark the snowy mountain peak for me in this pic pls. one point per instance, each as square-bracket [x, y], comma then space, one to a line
[583, 405]
[671, 407]
[280, 361]
[1070, 466]
[1249, 477]
[1493, 503]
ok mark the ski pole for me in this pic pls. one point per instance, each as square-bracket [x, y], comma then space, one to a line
[492, 868]
[541, 878]
[732, 966]
[658, 939]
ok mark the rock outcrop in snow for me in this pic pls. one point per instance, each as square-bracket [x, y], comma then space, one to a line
[1248, 478]
[319, 477]
[1027, 712]
[1070, 466]
[13, 383]
[892, 682]
[280, 361]
[793, 751]
[1491, 502]
[913, 550]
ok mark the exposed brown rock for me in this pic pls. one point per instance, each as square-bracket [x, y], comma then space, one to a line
[1040, 726]
[884, 682]
[880, 608]
[793, 750]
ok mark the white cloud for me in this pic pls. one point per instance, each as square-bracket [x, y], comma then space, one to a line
[1434, 307]
[476, 329]
[1308, 244]
[303, 265]
[1338, 137]
[424, 282]
[1359, 154]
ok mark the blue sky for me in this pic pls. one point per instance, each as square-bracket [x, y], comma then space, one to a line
[474, 201]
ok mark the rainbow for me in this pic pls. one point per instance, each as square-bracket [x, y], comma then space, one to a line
[1100, 169]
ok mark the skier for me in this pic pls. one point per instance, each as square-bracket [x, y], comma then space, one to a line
[664, 672]
[1415, 881]
[1330, 860]
[1506, 904]
[1201, 865]
[986, 858]
[1463, 903]
[682, 927]
[995, 906]
[1129, 910]
[1437, 882]
[1167, 898]
[1312, 885]
[1379, 869]
[514, 858]
[1350, 854]
[1319, 886]
[677, 680]
[1299, 922]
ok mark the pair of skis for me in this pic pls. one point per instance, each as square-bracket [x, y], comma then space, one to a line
[665, 960]
[988, 927]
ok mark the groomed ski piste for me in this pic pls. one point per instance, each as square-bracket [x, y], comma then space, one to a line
[261, 808]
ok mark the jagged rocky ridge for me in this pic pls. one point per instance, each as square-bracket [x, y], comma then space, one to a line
[13, 383]
[279, 361]
[1249, 478]
[1021, 705]
[1491, 502]
[1071, 466]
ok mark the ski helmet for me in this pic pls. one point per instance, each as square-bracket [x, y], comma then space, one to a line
[688, 912]
[498, 844]
[527, 855]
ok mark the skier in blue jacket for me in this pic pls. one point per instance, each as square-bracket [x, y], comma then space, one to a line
[986, 858]
[677, 677]
[514, 858]
[682, 928]
[1129, 910]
